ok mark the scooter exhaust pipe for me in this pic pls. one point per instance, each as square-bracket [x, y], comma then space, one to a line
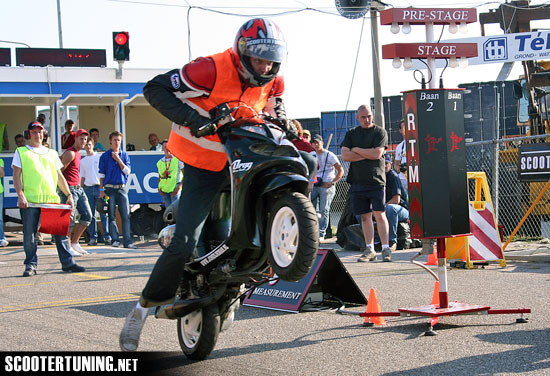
[183, 307]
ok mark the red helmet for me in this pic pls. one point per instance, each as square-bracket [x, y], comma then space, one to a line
[260, 38]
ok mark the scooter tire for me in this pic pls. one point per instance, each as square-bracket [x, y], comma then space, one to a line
[198, 332]
[292, 236]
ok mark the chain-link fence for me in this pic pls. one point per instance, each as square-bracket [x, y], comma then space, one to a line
[511, 198]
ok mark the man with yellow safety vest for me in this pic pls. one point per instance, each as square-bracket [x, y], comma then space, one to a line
[36, 175]
[170, 177]
[248, 72]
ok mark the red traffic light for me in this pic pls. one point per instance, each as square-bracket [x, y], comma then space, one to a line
[121, 38]
[121, 46]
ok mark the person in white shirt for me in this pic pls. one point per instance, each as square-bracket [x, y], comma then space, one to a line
[330, 171]
[89, 175]
[154, 141]
[401, 159]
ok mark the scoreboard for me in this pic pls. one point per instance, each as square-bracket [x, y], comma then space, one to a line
[436, 157]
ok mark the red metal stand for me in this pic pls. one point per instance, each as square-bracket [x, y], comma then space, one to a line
[445, 308]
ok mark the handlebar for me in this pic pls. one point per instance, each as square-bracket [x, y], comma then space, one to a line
[222, 114]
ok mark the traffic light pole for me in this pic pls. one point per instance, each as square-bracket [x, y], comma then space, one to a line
[119, 70]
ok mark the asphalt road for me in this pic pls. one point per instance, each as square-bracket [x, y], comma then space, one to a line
[56, 311]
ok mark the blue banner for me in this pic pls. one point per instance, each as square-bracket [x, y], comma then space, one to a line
[142, 183]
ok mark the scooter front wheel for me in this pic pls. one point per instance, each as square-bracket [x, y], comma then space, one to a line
[292, 231]
[198, 332]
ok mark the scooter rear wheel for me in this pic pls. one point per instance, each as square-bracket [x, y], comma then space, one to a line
[292, 231]
[198, 332]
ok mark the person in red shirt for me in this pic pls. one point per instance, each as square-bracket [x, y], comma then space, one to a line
[71, 171]
[67, 138]
[301, 143]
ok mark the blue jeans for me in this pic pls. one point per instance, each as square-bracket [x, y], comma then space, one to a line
[81, 206]
[168, 198]
[395, 214]
[92, 192]
[2, 235]
[324, 197]
[31, 221]
[119, 196]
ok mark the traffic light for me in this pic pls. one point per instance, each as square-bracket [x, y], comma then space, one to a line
[121, 45]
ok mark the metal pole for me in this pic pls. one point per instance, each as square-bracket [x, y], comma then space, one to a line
[378, 104]
[431, 61]
[59, 24]
[496, 136]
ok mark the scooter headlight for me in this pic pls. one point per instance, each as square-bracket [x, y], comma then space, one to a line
[254, 129]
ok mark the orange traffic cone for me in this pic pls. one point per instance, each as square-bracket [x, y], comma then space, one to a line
[373, 306]
[435, 297]
[432, 259]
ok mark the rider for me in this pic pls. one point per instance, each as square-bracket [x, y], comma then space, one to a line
[248, 72]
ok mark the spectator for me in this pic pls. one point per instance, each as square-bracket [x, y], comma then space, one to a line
[306, 135]
[300, 143]
[89, 175]
[3, 241]
[170, 177]
[94, 135]
[67, 138]
[36, 174]
[19, 140]
[114, 169]
[71, 171]
[364, 147]
[400, 162]
[306, 151]
[41, 118]
[4, 140]
[397, 209]
[154, 142]
[329, 173]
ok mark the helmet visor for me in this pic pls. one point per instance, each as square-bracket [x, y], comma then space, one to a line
[266, 49]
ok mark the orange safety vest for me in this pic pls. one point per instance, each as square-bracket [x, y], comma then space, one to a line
[208, 152]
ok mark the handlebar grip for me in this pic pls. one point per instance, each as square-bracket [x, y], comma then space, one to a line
[207, 130]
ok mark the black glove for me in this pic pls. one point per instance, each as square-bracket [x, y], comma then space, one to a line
[288, 125]
[195, 122]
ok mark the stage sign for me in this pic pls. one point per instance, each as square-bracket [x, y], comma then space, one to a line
[534, 163]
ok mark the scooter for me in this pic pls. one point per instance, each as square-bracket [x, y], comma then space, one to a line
[262, 226]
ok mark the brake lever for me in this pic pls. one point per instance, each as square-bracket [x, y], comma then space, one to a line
[221, 115]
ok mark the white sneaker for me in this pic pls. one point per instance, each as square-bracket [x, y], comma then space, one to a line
[4, 243]
[386, 254]
[73, 252]
[115, 244]
[79, 249]
[129, 335]
[368, 255]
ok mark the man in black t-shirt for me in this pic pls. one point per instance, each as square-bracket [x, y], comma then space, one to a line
[364, 147]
